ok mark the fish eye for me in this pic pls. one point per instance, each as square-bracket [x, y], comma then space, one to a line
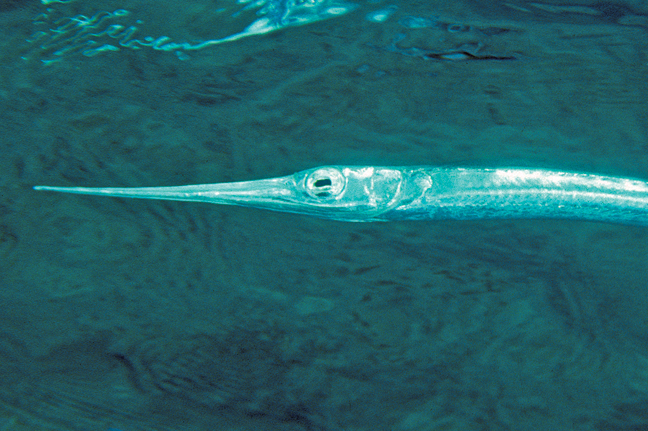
[325, 183]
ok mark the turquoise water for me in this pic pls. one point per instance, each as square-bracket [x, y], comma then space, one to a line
[139, 315]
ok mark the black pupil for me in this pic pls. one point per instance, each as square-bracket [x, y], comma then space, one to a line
[323, 182]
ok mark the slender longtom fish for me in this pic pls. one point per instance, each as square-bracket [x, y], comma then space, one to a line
[371, 193]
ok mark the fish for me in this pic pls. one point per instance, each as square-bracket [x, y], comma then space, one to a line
[388, 194]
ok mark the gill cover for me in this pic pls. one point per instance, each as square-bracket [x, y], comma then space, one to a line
[349, 193]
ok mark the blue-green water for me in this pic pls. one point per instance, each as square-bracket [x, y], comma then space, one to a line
[145, 316]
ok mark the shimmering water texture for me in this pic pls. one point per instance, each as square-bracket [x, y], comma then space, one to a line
[450, 40]
[60, 36]
[90, 35]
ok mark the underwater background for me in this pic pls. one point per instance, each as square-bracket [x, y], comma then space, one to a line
[127, 315]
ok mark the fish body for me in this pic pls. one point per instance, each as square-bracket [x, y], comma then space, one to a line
[376, 193]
